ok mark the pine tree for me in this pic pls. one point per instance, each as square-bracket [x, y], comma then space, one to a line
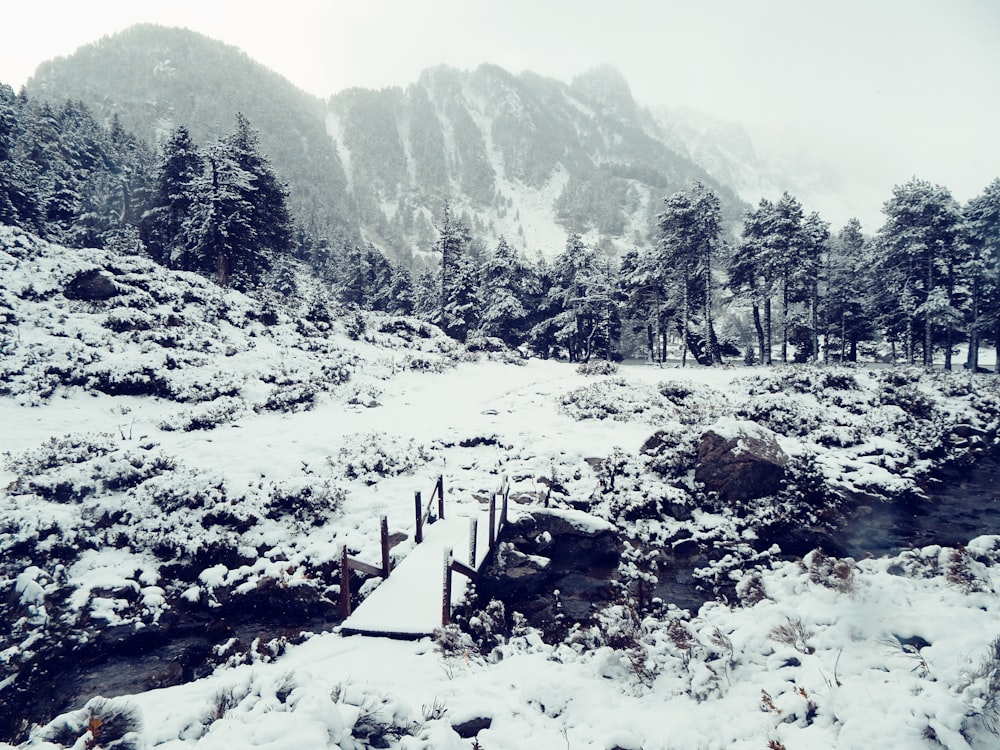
[427, 295]
[400, 291]
[581, 307]
[162, 226]
[982, 231]
[806, 279]
[459, 277]
[506, 287]
[269, 198]
[220, 233]
[848, 293]
[460, 313]
[689, 236]
[19, 201]
[919, 247]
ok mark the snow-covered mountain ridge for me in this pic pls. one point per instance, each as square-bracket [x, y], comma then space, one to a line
[175, 453]
[524, 156]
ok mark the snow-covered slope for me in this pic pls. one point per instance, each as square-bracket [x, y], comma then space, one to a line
[180, 453]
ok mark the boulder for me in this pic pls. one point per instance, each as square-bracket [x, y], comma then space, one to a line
[553, 550]
[91, 285]
[740, 460]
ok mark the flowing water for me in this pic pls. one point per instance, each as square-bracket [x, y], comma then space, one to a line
[963, 504]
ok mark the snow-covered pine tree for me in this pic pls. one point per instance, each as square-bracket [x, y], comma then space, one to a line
[689, 235]
[400, 290]
[919, 252]
[162, 226]
[848, 297]
[219, 232]
[582, 303]
[982, 230]
[504, 292]
[269, 197]
[19, 200]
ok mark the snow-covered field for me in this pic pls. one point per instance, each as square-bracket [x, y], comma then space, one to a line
[178, 446]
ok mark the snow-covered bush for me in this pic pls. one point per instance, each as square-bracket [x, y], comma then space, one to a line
[696, 403]
[783, 413]
[620, 400]
[980, 690]
[106, 723]
[207, 416]
[373, 456]
[313, 503]
[122, 319]
[597, 367]
[671, 451]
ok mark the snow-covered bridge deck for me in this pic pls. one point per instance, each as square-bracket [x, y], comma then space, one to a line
[410, 602]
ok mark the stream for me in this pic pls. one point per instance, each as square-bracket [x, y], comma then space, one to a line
[962, 504]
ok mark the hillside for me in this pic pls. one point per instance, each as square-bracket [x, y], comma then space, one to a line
[520, 155]
[182, 464]
[155, 78]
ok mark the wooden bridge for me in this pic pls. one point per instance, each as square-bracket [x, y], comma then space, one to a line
[417, 595]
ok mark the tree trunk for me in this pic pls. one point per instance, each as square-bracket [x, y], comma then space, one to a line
[759, 329]
[784, 321]
[972, 360]
[767, 331]
[814, 302]
[710, 342]
[684, 323]
[843, 336]
[928, 326]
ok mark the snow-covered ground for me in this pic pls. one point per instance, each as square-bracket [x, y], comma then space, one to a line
[178, 430]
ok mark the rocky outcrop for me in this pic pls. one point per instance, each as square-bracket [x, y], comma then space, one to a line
[553, 550]
[92, 286]
[740, 460]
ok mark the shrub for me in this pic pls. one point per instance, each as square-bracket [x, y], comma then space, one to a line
[793, 633]
[208, 417]
[309, 503]
[830, 572]
[377, 455]
[107, 723]
[782, 413]
[597, 367]
[980, 688]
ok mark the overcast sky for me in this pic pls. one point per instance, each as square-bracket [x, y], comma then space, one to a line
[885, 89]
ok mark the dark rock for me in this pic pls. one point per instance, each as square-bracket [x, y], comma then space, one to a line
[549, 550]
[471, 727]
[740, 461]
[92, 285]
[524, 575]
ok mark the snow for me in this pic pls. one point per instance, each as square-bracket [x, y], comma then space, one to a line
[686, 680]
[409, 601]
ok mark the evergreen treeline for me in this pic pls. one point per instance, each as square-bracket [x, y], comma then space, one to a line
[779, 285]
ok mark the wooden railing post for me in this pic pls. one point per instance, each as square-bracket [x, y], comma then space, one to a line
[473, 534]
[446, 593]
[420, 519]
[493, 519]
[503, 507]
[384, 534]
[345, 584]
[440, 494]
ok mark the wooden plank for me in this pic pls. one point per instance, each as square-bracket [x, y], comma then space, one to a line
[372, 570]
[465, 570]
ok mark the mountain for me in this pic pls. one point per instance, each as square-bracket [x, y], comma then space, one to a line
[523, 156]
[765, 165]
[155, 78]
